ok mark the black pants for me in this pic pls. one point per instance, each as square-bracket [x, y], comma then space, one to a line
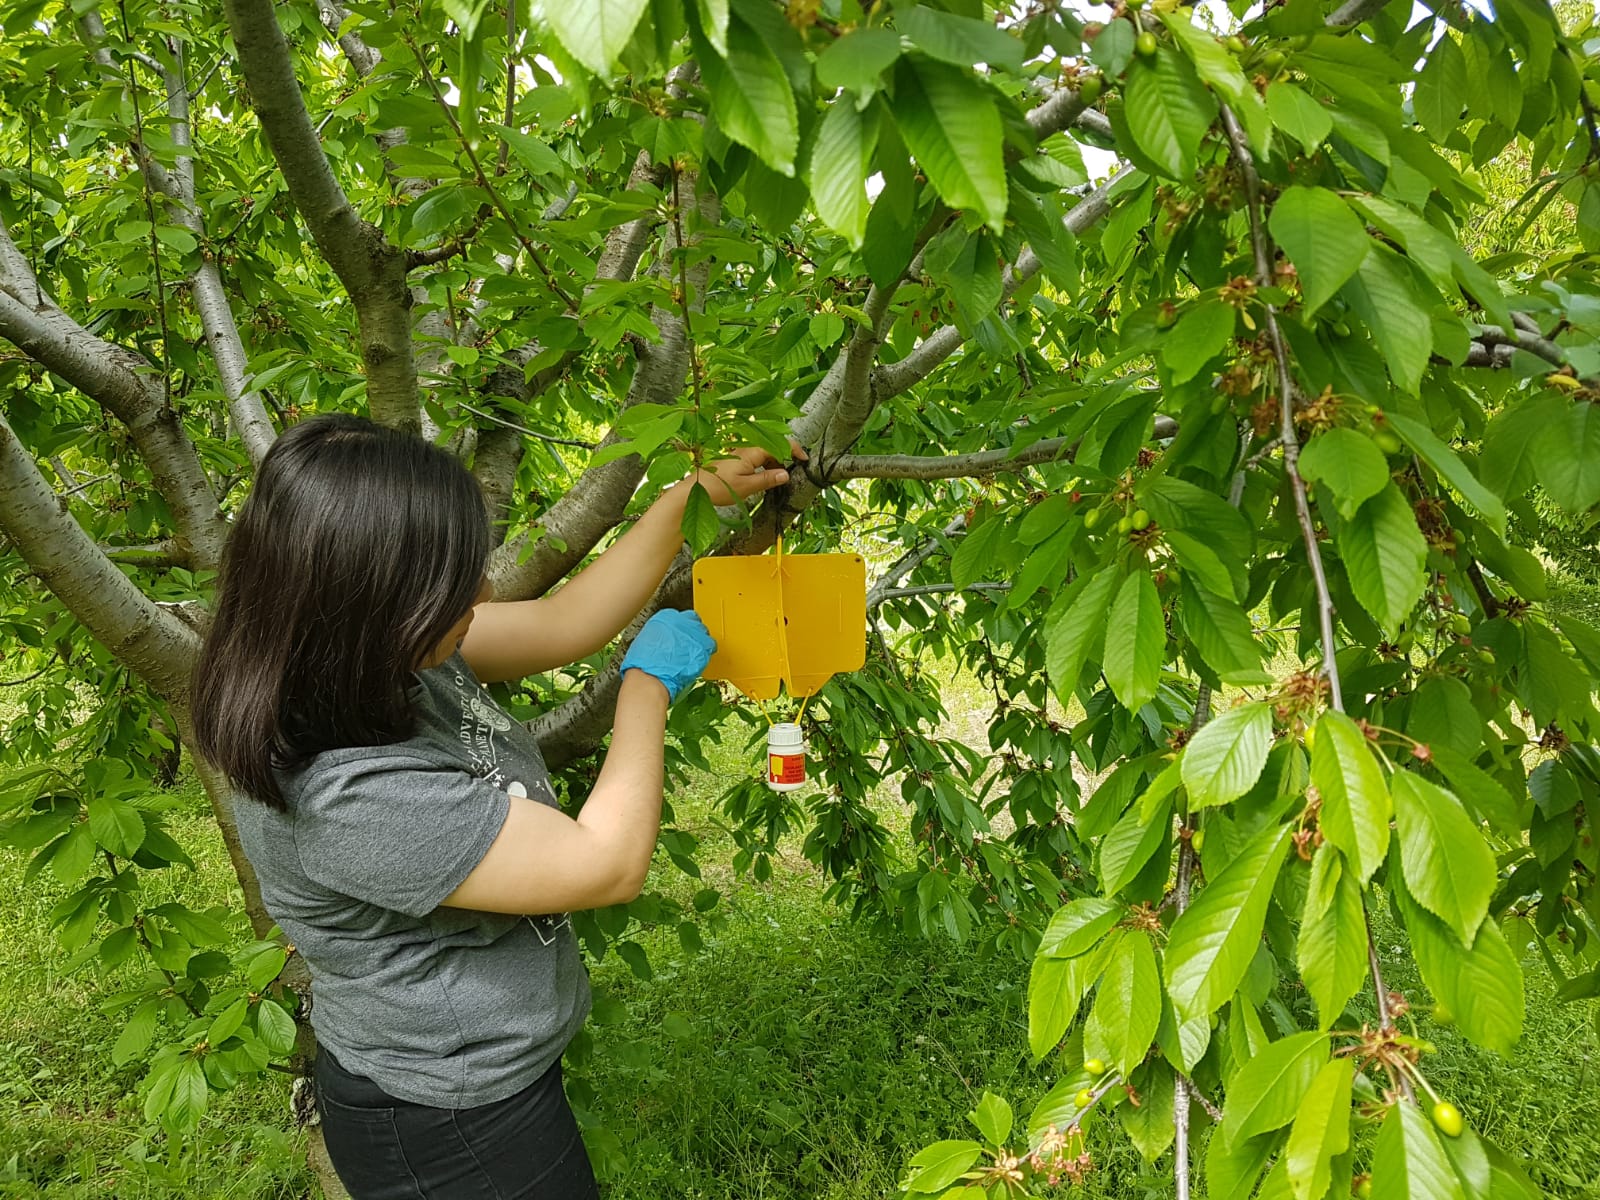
[526, 1147]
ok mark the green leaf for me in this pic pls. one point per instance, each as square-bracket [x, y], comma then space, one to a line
[1112, 48]
[1441, 91]
[1408, 1163]
[532, 153]
[275, 1027]
[950, 122]
[1079, 926]
[938, 1166]
[1213, 942]
[1127, 1005]
[1055, 989]
[714, 23]
[1448, 867]
[1201, 559]
[1266, 1092]
[1428, 447]
[1298, 115]
[1222, 633]
[1384, 554]
[1075, 633]
[73, 853]
[116, 825]
[1217, 67]
[1136, 639]
[1223, 761]
[186, 1103]
[993, 1118]
[700, 522]
[1567, 458]
[1355, 803]
[1511, 444]
[1200, 335]
[962, 41]
[751, 97]
[1481, 985]
[1332, 948]
[1168, 111]
[975, 552]
[1385, 298]
[840, 163]
[137, 1034]
[1325, 240]
[227, 1022]
[1348, 463]
[1479, 790]
[595, 32]
[857, 60]
[1321, 1130]
[1132, 840]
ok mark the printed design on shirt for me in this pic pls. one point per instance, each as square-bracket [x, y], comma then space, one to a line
[481, 719]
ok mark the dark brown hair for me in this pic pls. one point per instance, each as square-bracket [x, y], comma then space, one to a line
[356, 551]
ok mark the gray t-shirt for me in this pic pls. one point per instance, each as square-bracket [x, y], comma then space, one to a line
[439, 1006]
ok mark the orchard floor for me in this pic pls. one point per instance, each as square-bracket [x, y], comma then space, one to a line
[797, 1057]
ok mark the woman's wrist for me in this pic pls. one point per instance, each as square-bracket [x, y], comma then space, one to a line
[643, 686]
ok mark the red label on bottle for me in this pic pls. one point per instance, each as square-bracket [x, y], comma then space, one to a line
[786, 768]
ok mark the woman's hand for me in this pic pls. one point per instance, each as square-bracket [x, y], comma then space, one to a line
[749, 472]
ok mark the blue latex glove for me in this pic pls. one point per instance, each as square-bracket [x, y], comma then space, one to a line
[674, 647]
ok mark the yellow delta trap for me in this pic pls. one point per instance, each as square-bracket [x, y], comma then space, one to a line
[792, 619]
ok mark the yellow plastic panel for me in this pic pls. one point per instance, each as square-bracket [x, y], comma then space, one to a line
[798, 619]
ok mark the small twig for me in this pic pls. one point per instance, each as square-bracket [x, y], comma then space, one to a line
[150, 212]
[683, 307]
[930, 589]
[533, 433]
[6, 683]
[1291, 465]
[484, 182]
[1212, 1110]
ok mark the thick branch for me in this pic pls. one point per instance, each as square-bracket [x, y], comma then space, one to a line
[958, 466]
[595, 504]
[372, 270]
[119, 380]
[894, 378]
[131, 626]
[249, 414]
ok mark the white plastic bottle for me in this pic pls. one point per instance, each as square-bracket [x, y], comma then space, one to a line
[786, 758]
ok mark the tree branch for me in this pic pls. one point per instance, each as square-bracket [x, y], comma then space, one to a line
[894, 378]
[958, 466]
[124, 620]
[372, 270]
[1291, 465]
[250, 420]
[594, 505]
[119, 380]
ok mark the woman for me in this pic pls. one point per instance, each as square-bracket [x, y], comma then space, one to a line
[403, 827]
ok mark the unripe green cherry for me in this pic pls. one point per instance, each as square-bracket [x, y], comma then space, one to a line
[1486, 656]
[1236, 44]
[1140, 519]
[1146, 45]
[1448, 1119]
[1091, 518]
[1386, 441]
[1364, 1189]
[1459, 625]
[1125, 525]
[1095, 1067]
[1085, 1097]
[1219, 405]
[1089, 88]
[1198, 840]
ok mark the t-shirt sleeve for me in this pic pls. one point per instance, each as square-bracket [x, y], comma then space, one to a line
[400, 833]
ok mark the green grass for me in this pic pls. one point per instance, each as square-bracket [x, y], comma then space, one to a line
[797, 1056]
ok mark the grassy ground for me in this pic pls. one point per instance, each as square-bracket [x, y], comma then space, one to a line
[797, 1056]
